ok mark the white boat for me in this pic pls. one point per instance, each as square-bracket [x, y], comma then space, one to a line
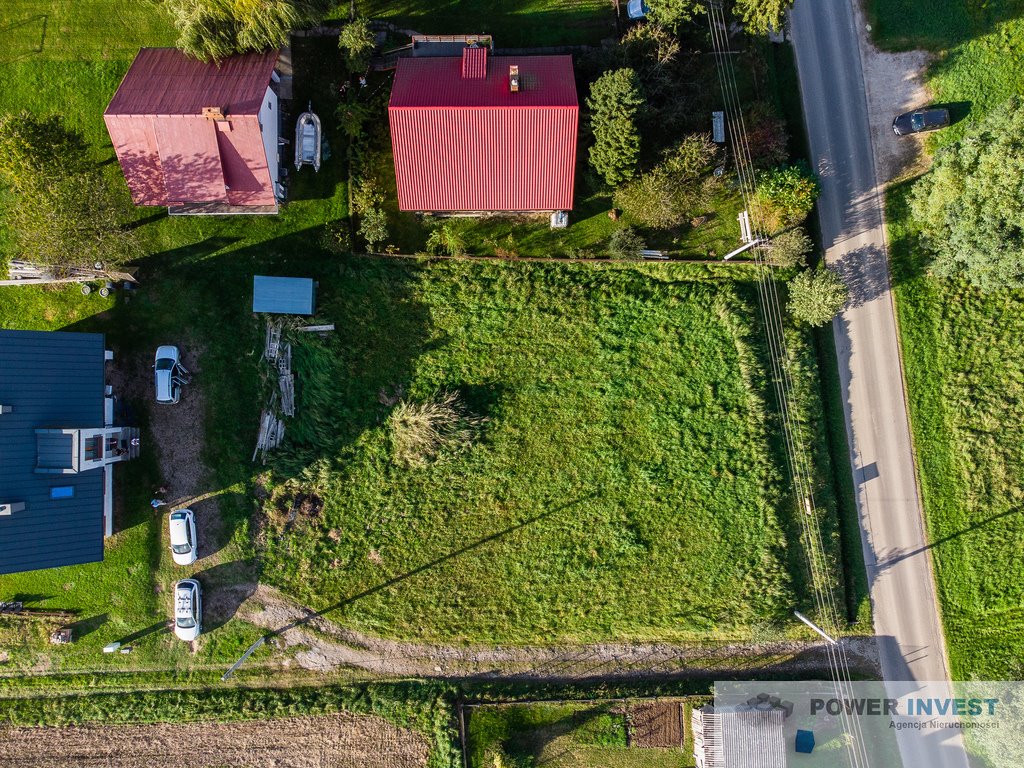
[307, 141]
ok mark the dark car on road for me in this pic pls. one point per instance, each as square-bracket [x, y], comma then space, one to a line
[920, 120]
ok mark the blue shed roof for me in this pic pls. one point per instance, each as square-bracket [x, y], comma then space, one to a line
[283, 295]
[51, 380]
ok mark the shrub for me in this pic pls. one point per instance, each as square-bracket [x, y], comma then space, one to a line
[336, 238]
[790, 248]
[766, 136]
[625, 244]
[785, 196]
[422, 433]
[614, 103]
[373, 227]
[447, 241]
[815, 297]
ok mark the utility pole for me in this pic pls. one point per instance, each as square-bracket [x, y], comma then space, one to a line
[815, 627]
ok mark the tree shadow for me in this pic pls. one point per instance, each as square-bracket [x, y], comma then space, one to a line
[225, 588]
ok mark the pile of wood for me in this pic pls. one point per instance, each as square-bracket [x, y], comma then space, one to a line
[281, 400]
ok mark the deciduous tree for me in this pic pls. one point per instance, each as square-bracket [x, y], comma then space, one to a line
[815, 297]
[970, 206]
[614, 101]
[63, 211]
[759, 17]
[681, 186]
[215, 29]
[790, 248]
[357, 41]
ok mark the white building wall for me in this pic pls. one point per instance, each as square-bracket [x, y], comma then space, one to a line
[270, 121]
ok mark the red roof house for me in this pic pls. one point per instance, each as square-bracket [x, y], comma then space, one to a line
[198, 137]
[483, 133]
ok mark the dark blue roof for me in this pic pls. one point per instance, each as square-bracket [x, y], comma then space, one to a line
[51, 380]
[282, 295]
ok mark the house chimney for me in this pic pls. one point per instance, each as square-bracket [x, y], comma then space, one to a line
[513, 78]
[214, 113]
[474, 62]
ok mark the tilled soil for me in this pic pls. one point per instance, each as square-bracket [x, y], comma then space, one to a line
[303, 742]
[655, 724]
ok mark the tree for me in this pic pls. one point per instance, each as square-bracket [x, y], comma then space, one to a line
[784, 196]
[815, 297]
[215, 29]
[970, 206]
[790, 248]
[614, 103]
[357, 41]
[373, 227]
[672, 13]
[759, 17]
[63, 211]
[679, 187]
[625, 244]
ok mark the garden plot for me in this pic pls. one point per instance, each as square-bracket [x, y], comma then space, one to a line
[335, 741]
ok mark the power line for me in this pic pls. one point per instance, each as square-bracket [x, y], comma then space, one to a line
[782, 376]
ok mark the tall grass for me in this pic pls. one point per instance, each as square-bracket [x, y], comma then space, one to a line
[628, 454]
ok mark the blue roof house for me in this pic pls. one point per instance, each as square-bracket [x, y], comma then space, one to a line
[58, 445]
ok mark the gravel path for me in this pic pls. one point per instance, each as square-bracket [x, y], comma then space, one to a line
[323, 646]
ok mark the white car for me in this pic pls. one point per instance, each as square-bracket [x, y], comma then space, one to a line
[188, 609]
[182, 525]
[170, 374]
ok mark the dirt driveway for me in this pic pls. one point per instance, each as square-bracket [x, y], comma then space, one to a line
[895, 84]
[341, 741]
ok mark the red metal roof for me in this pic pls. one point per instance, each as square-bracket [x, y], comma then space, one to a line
[472, 145]
[170, 154]
[474, 63]
[164, 81]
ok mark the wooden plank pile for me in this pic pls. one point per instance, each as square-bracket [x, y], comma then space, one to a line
[286, 380]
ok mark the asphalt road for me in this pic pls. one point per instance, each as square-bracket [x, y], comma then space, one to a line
[906, 612]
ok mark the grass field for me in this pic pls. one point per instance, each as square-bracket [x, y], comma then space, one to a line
[628, 447]
[963, 360]
[526, 24]
[627, 433]
[564, 735]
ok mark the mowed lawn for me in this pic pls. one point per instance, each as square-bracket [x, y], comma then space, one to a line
[963, 358]
[624, 485]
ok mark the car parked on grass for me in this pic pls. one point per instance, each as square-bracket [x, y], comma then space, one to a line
[188, 609]
[920, 120]
[182, 525]
[170, 374]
